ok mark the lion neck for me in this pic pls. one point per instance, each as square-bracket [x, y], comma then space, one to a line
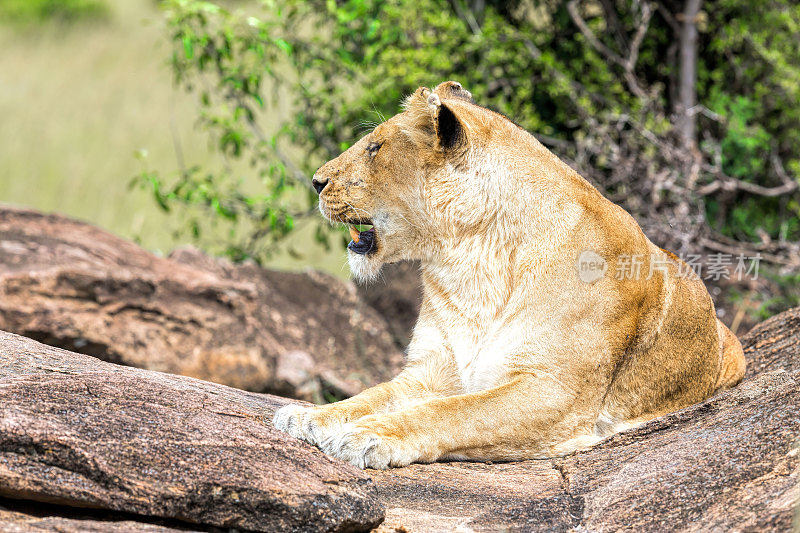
[520, 206]
[469, 278]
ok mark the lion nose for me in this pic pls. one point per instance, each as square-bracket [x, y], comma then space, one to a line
[319, 184]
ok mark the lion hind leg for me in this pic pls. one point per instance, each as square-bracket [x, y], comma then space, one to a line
[733, 362]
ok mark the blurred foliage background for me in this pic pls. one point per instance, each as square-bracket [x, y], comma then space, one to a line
[82, 92]
[684, 112]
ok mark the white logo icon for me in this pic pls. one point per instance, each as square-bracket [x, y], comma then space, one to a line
[591, 266]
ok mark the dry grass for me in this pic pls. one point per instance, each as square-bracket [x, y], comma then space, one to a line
[77, 102]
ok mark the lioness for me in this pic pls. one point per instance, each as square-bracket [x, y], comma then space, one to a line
[529, 343]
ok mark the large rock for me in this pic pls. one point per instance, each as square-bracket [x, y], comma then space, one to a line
[72, 285]
[25, 517]
[111, 448]
[78, 432]
[165, 450]
[774, 344]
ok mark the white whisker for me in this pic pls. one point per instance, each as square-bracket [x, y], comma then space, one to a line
[357, 209]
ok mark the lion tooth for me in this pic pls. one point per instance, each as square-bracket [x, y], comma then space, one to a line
[354, 234]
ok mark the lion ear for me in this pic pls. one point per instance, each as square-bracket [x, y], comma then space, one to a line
[449, 130]
[453, 89]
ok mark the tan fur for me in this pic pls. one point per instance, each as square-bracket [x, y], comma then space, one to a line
[514, 355]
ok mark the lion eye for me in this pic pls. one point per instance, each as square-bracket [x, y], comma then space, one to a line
[373, 147]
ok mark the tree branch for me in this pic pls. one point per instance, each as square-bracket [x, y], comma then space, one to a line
[572, 9]
[687, 95]
[628, 64]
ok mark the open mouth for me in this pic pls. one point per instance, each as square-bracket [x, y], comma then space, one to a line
[363, 235]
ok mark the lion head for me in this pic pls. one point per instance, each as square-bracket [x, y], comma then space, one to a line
[442, 169]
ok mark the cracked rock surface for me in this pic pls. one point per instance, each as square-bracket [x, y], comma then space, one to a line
[147, 447]
[74, 286]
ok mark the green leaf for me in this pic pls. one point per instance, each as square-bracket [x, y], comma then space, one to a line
[188, 47]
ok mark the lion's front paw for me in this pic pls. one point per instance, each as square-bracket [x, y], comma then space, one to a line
[365, 447]
[292, 420]
[311, 424]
